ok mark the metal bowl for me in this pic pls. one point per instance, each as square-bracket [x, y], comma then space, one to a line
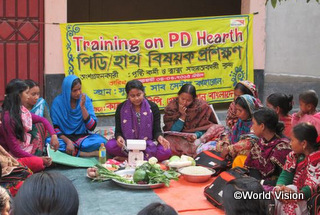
[196, 178]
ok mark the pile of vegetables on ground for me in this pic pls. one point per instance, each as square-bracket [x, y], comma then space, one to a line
[147, 173]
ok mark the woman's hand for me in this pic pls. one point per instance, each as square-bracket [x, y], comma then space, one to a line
[285, 189]
[54, 142]
[299, 114]
[120, 142]
[192, 138]
[47, 161]
[83, 101]
[183, 111]
[225, 151]
[165, 143]
[70, 147]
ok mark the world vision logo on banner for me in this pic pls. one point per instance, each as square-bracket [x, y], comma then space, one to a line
[237, 23]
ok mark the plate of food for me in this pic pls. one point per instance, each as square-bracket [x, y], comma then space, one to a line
[196, 174]
[127, 174]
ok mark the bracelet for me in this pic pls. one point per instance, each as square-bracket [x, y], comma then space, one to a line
[181, 119]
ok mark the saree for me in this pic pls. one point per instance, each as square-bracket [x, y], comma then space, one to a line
[199, 117]
[69, 122]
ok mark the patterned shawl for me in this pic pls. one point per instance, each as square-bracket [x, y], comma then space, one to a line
[130, 127]
[306, 169]
[251, 86]
[264, 156]
[199, 116]
[240, 128]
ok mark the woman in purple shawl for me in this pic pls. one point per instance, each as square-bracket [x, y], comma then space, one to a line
[267, 157]
[138, 118]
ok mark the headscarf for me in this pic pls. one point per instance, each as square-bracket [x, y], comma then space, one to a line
[231, 114]
[199, 117]
[130, 127]
[39, 107]
[69, 120]
[251, 86]
[243, 126]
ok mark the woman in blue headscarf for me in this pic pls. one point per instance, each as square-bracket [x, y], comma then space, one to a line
[73, 118]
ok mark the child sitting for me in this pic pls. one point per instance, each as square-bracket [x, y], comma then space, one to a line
[301, 172]
[308, 101]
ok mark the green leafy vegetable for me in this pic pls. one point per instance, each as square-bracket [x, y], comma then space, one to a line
[156, 175]
[108, 174]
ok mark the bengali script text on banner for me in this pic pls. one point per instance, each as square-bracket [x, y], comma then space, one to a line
[212, 53]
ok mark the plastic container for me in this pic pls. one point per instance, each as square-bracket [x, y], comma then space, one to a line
[102, 154]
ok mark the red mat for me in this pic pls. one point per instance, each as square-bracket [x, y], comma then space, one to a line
[187, 198]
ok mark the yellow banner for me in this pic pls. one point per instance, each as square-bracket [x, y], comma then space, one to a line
[212, 53]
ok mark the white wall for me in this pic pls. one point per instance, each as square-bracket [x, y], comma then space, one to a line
[293, 38]
[259, 33]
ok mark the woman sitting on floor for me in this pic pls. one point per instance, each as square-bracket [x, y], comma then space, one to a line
[17, 122]
[37, 104]
[39, 107]
[138, 118]
[187, 114]
[267, 157]
[282, 104]
[239, 141]
[73, 118]
[301, 172]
